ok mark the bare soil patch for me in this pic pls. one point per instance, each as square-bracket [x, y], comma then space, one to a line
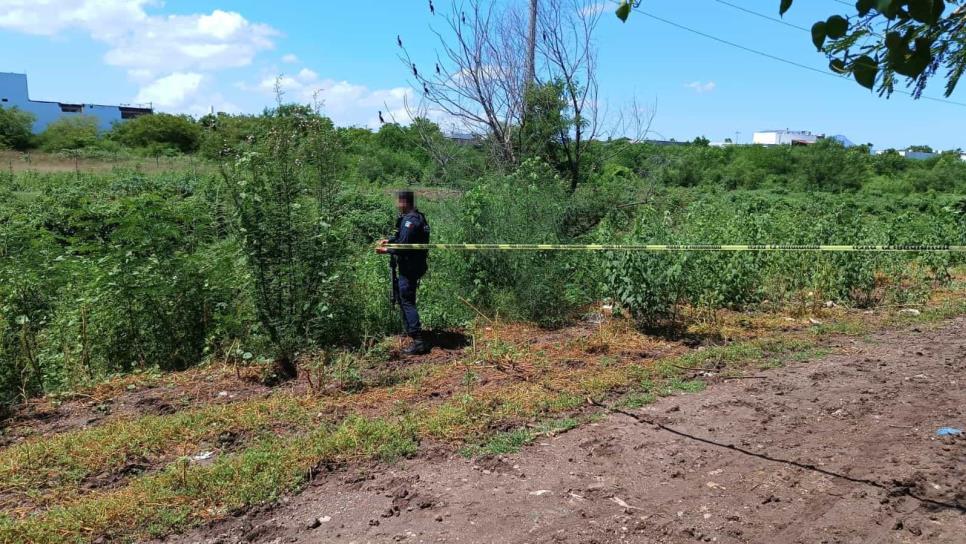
[144, 394]
[836, 450]
[132, 396]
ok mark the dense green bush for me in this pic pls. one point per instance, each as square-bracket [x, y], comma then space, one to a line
[16, 128]
[105, 273]
[653, 285]
[294, 248]
[159, 132]
[73, 132]
[528, 206]
[824, 167]
[224, 135]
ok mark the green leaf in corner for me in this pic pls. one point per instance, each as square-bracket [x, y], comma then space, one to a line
[938, 7]
[786, 4]
[624, 10]
[921, 10]
[819, 34]
[836, 26]
[889, 8]
[865, 70]
[865, 6]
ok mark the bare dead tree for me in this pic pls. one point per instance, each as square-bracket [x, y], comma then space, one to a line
[532, 42]
[430, 140]
[630, 125]
[479, 74]
[570, 57]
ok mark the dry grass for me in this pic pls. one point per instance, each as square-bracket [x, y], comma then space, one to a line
[41, 162]
[488, 396]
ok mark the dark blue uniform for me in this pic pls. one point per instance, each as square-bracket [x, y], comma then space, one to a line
[411, 228]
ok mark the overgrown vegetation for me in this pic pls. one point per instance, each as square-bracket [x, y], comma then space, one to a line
[16, 129]
[262, 257]
[506, 391]
[653, 285]
[267, 257]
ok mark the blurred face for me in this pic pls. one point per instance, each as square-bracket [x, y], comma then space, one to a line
[402, 205]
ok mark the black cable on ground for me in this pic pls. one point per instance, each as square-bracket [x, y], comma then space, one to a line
[895, 489]
[892, 489]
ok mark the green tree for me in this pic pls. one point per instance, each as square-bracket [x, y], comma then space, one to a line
[881, 41]
[829, 166]
[160, 130]
[15, 128]
[66, 133]
[545, 125]
[282, 190]
[223, 134]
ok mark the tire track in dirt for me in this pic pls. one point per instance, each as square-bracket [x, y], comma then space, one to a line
[869, 412]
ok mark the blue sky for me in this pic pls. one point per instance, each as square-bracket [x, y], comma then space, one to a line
[189, 56]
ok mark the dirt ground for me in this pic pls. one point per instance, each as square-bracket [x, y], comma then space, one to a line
[159, 394]
[842, 449]
[128, 398]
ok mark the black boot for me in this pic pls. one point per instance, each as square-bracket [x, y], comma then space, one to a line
[419, 346]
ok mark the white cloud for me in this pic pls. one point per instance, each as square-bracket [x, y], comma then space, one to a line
[346, 103]
[307, 76]
[102, 18]
[190, 42]
[290, 59]
[701, 88]
[160, 52]
[171, 91]
[140, 75]
[351, 104]
[221, 24]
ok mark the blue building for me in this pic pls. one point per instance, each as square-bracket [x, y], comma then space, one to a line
[13, 94]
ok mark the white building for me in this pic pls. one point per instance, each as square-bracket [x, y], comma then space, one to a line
[784, 137]
[917, 155]
[914, 155]
[13, 94]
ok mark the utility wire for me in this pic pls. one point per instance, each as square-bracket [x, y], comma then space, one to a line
[775, 57]
[762, 15]
[643, 419]
[738, 46]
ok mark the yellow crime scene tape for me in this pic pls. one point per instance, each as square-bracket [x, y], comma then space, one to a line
[686, 247]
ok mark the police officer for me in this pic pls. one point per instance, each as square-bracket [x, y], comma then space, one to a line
[411, 228]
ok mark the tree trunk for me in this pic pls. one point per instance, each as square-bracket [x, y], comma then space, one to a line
[532, 44]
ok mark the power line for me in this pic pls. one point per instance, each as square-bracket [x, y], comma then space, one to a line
[782, 21]
[777, 58]
[762, 15]
[843, 2]
[738, 46]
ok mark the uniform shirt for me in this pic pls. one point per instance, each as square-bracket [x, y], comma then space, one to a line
[411, 228]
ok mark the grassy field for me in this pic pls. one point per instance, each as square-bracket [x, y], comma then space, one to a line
[134, 476]
[151, 308]
[40, 162]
